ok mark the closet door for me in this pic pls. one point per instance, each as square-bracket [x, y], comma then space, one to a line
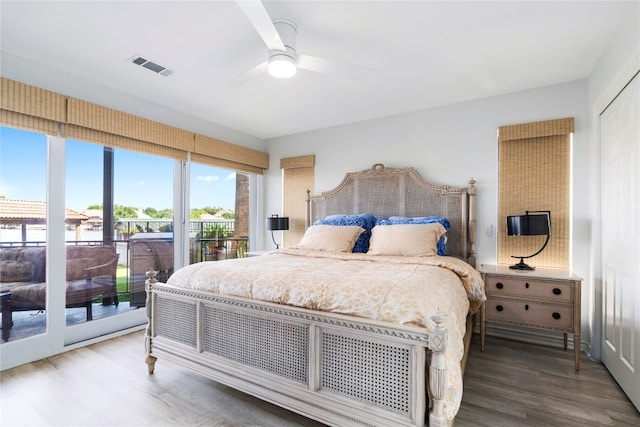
[620, 213]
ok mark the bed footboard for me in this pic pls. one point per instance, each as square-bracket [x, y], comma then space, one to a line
[336, 369]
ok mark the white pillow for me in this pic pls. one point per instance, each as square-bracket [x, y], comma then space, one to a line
[332, 238]
[405, 239]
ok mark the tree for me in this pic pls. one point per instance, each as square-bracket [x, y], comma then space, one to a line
[120, 212]
[158, 214]
[165, 214]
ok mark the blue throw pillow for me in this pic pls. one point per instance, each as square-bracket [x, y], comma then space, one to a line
[442, 243]
[366, 221]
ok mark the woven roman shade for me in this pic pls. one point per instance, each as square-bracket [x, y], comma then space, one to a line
[535, 174]
[298, 175]
[219, 153]
[30, 108]
[95, 123]
[38, 110]
[80, 133]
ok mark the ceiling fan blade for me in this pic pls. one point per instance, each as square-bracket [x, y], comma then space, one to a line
[256, 14]
[238, 81]
[328, 66]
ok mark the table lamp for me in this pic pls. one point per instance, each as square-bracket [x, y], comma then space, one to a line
[538, 224]
[277, 223]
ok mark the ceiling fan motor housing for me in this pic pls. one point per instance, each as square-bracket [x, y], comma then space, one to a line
[283, 63]
[287, 30]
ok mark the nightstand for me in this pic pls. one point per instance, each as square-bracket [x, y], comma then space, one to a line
[543, 298]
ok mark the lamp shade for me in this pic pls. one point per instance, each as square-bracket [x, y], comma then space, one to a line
[276, 222]
[528, 225]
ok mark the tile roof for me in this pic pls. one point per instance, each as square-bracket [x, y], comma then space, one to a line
[32, 212]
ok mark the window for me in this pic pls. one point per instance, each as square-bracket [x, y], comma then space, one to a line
[535, 175]
[23, 237]
[298, 175]
[219, 213]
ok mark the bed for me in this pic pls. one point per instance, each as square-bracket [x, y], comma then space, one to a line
[348, 339]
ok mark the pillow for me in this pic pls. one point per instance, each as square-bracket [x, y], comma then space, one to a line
[330, 238]
[420, 220]
[16, 271]
[366, 221]
[406, 239]
[442, 243]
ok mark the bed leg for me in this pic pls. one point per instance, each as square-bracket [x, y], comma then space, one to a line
[151, 363]
[149, 360]
[438, 377]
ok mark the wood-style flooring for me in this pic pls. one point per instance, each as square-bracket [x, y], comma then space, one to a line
[106, 384]
[518, 384]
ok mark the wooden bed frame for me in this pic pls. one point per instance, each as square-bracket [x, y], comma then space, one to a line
[340, 370]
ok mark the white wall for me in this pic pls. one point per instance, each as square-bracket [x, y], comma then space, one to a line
[449, 145]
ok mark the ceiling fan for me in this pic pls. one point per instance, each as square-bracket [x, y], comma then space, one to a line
[283, 61]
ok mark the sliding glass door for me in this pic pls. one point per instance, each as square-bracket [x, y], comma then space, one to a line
[81, 224]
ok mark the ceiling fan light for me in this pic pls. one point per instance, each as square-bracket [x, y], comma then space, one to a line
[282, 66]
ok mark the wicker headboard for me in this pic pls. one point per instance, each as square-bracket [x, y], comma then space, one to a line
[386, 192]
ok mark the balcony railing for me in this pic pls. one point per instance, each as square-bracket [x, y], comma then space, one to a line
[201, 249]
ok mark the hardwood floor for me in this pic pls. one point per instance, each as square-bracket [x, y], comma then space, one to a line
[510, 384]
[518, 384]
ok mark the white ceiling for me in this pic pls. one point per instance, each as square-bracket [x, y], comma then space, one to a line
[423, 53]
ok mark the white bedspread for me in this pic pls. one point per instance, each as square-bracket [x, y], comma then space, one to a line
[403, 290]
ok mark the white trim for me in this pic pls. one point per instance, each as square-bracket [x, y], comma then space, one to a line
[256, 212]
[56, 253]
[180, 214]
[616, 85]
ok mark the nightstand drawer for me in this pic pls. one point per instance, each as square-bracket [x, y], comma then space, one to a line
[529, 288]
[535, 314]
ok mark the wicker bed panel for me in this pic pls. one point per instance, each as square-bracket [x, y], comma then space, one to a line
[269, 344]
[176, 320]
[376, 374]
[385, 192]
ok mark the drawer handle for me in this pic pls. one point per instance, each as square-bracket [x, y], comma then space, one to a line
[557, 291]
[556, 315]
[499, 285]
[526, 285]
[499, 308]
[526, 306]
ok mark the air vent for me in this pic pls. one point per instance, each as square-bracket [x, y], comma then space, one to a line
[149, 65]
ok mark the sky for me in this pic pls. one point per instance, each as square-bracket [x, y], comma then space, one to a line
[140, 180]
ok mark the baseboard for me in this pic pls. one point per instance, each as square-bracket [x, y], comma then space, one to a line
[534, 336]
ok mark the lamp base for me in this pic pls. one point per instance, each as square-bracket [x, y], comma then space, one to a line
[274, 241]
[521, 266]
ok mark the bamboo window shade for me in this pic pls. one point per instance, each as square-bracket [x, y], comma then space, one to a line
[31, 108]
[298, 175]
[534, 175]
[34, 109]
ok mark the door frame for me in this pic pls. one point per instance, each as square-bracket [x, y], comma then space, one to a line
[615, 87]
